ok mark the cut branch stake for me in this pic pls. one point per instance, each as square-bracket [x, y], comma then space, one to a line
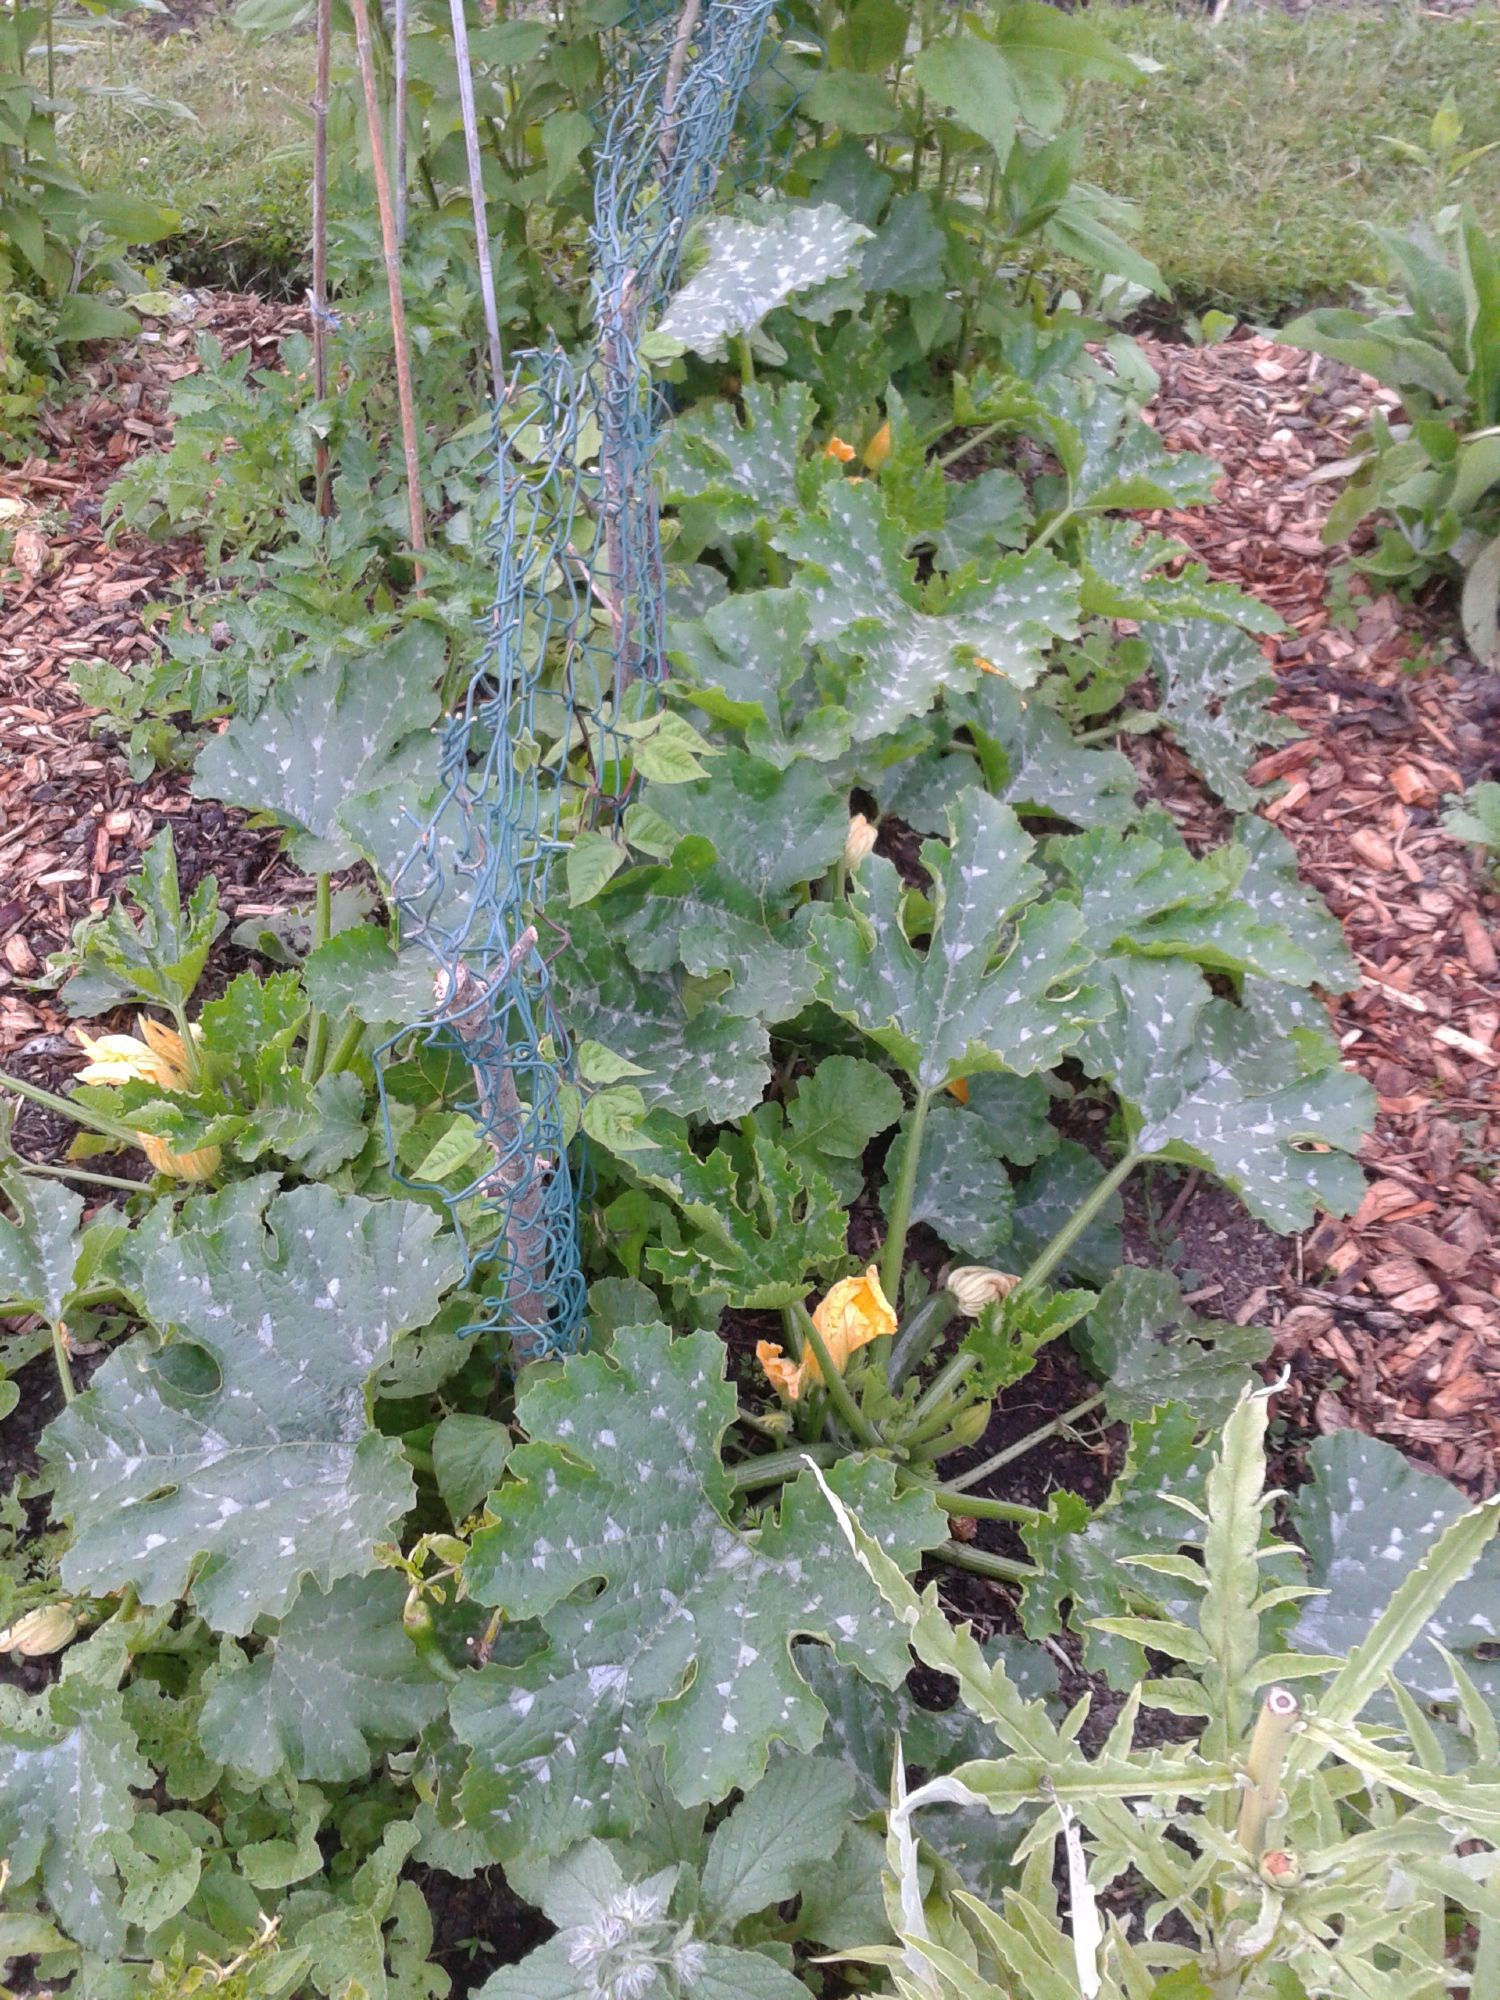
[320, 243]
[476, 196]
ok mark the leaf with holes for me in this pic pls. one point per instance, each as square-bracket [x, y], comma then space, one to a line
[663, 1624]
[865, 608]
[1003, 982]
[236, 1458]
[68, 1765]
[326, 738]
[753, 267]
[1367, 1519]
[1222, 1087]
[1149, 1350]
[1215, 696]
[339, 1680]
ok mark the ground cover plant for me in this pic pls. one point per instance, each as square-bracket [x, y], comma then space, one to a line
[325, 1597]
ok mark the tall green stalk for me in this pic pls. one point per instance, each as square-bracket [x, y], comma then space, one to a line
[894, 1255]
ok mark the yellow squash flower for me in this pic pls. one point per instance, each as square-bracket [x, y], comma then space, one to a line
[878, 450]
[854, 1313]
[836, 448]
[160, 1059]
[200, 1165]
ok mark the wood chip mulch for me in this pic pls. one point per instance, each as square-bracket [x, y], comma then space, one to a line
[1390, 1322]
[72, 821]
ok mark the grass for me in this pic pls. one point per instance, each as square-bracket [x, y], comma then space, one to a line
[1255, 157]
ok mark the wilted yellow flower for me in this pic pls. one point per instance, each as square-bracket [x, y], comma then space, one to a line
[45, 1630]
[878, 450]
[987, 666]
[854, 1313]
[975, 1286]
[200, 1165]
[836, 448]
[959, 1088]
[160, 1059]
[858, 841]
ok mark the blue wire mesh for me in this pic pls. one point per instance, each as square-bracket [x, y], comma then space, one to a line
[573, 642]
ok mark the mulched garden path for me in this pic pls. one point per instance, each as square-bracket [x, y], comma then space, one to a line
[1389, 1322]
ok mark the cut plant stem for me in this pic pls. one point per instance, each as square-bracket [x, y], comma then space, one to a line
[1264, 1765]
[983, 1562]
[1028, 1443]
[893, 1257]
[836, 1386]
[775, 1466]
[92, 1121]
[1042, 1268]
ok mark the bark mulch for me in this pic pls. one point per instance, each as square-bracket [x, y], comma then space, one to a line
[72, 821]
[1389, 1321]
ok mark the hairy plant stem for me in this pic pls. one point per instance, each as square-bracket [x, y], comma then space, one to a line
[1028, 1443]
[744, 360]
[317, 1025]
[837, 1388]
[324, 486]
[346, 1048]
[189, 1044]
[92, 1121]
[774, 1466]
[1054, 527]
[1043, 1266]
[953, 1502]
[894, 1255]
[983, 1562]
[79, 1174]
[913, 1343]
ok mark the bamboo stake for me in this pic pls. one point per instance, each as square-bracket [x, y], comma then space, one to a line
[392, 278]
[320, 242]
[476, 196]
[402, 37]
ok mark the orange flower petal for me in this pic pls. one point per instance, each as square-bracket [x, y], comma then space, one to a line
[784, 1376]
[854, 1313]
[836, 448]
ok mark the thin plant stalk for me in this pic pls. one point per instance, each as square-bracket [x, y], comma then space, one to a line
[320, 244]
[837, 1388]
[984, 1562]
[92, 1121]
[346, 1048]
[1043, 1266]
[476, 197]
[391, 247]
[401, 36]
[82, 1176]
[894, 1254]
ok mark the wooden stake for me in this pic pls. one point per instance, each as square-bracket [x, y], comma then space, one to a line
[476, 196]
[402, 36]
[404, 395]
[320, 243]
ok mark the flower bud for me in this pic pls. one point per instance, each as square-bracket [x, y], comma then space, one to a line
[878, 450]
[858, 842]
[46, 1630]
[969, 1426]
[1280, 1868]
[975, 1286]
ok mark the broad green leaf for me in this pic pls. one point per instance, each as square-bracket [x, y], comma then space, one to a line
[593, 860]
[1213, 1085]
[1013, 1111]
[747, 663]
[836, 1112]
[1215, 694]
[864, 607]
[771, 829]
[760, 1221]
[681, 1634]
[906, 256]
[1367, 1517]
[160, 959]
[753, 267]
[468, 1457]
[81, 316]
[691, 1061]
[1002, 982]
[237, 1457]
[161, 1864]
[327, 737]
[1273, 891]
[775, 1840]
[730, 470]
[981, 516]
[1010, 1333]
[39, 1251]
[1123, 578]
[374, 1939]
[339, 1680]
[973, 80]
[68, 1765]
[358, 972]
[1150, 1350]
[1046, 1199]
[962, 1190]
[1124, 464]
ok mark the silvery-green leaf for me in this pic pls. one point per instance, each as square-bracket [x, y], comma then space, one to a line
[39, 1251]
[1367, 1518]
[1032, 762]
[1216, 690]
[339, 1680]
[1213, 1085]
[1151, 1350]
[1047, 1197]
[1125, 465]
[68, 1764]
[238, 1455]
[1272, 890]
[1013, 1111]
[358, 972]
[983, 515]
[962, 1190]
[159, 958]
[864, 605]
[326, 737]
[1123, 578]
[707, 1060]
[663, 1625]
[747, 664]
[775, 1839]
[729, 470]
[753, 267]
[1002, 983]
[422, 847]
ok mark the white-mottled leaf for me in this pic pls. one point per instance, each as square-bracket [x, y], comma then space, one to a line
[753, 267]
